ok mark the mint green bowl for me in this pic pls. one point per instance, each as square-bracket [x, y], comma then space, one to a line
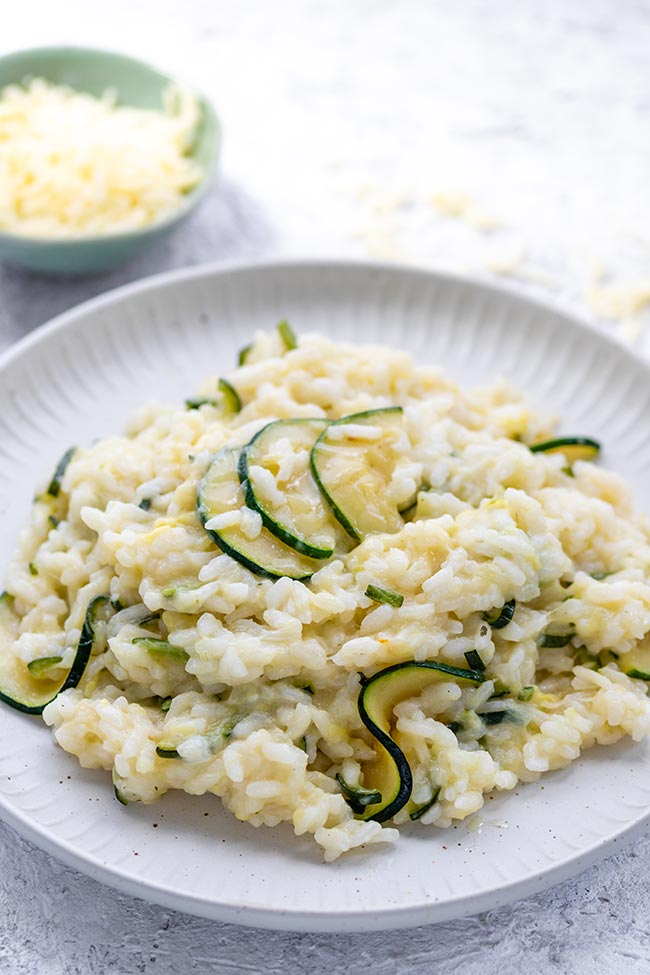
[137, 84]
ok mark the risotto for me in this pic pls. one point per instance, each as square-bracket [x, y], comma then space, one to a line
[336, 590]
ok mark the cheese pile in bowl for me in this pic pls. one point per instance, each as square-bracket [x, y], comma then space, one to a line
[72, 165]
[334, 590]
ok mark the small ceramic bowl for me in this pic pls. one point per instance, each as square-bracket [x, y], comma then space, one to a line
[137, 84]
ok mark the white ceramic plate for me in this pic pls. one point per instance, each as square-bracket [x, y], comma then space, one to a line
[82, 375]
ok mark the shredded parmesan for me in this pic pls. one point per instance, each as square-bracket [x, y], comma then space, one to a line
[507, 260]
[619, 301]
[73, 165]
[461, 206]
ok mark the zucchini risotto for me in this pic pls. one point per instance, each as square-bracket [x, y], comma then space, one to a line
[334, 589]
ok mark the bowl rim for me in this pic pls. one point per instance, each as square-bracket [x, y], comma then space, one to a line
[189, 201]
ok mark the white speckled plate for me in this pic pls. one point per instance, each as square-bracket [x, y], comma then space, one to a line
[81, 376]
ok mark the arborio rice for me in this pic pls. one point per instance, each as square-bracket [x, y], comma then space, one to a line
[209, 677]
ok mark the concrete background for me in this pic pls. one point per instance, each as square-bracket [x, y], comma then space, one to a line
[480, 136]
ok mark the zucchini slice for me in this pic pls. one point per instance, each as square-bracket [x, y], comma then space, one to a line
[243, 354]
[474, 660]
[408, 509]
[215, 738]
[419, 812]
[229, 402]
[356, 796]
[148, 619]
[638, 674]
[29, 692]
[117, 789]
[220, 492]
[287, 335]
[123, 793]
[385, 596]
[54, 486]
[553, 641]
[161, 649]
[389, 772]
[573, 448]
[42, 667]
[196, 402]
[301, 521]
[496, 717]
[165, 750]
[502, 617]
[353, 473]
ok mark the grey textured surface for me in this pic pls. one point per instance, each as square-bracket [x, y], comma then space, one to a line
[55, 921]
[341, 121]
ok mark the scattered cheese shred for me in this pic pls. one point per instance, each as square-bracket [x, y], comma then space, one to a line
[507, 260]
[72, 165]
[462, 206]
[619, 301]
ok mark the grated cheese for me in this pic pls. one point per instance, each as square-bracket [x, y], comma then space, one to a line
[619, 301]
[73, 165]
[461, 206]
